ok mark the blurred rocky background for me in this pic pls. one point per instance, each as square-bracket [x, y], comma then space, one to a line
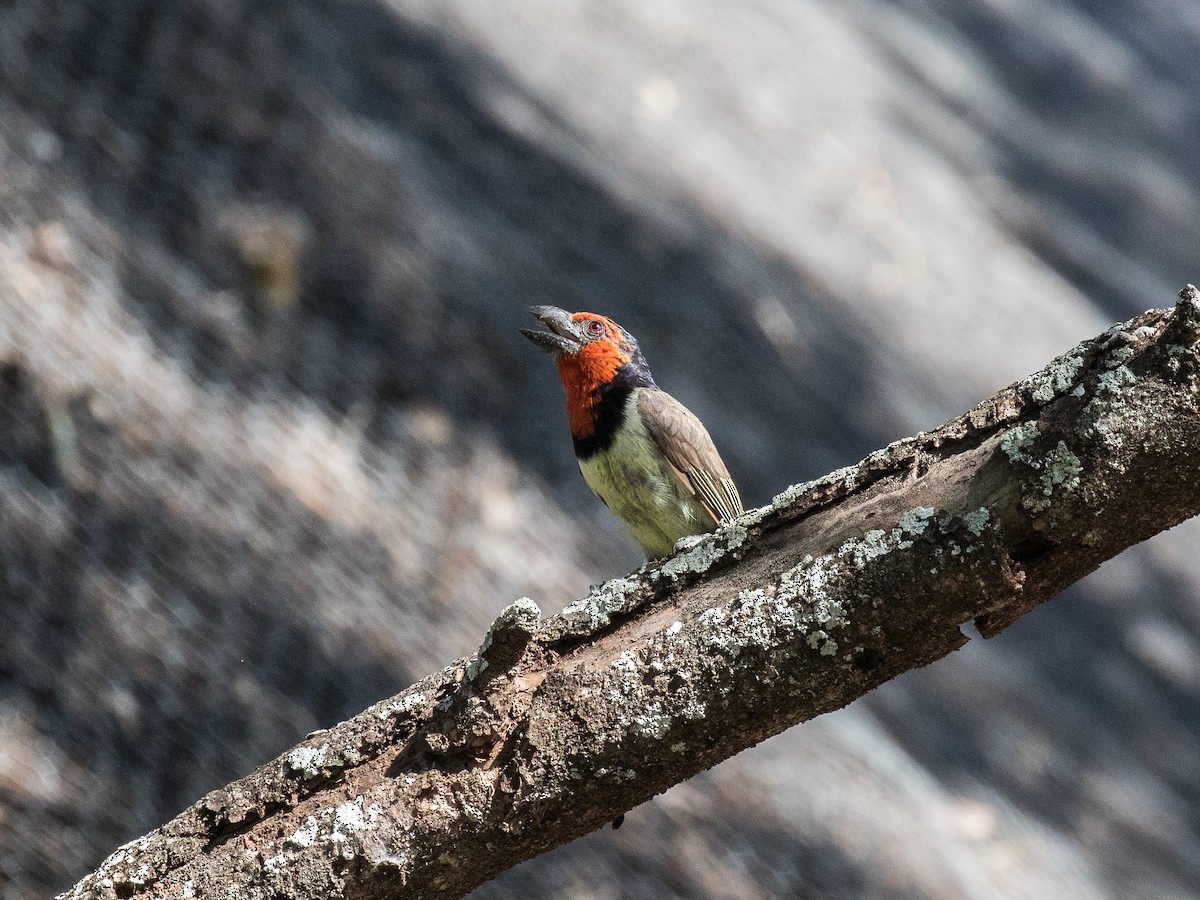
[271, 447]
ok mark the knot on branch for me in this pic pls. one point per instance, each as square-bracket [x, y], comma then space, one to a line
[1183, 330]
[476, 720]
[506, 640]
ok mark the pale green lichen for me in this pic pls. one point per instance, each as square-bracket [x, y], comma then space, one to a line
[521, 614]
[1175, 358]
[873, 544]
[639, 703]
[653, 722]
[732, 534]
[789, 495]
[402, 706]
[694, 561]
[1055, 378]
[847, 475]
[305, 835]
[1063, 469]
[276, 864]
[756, 516]
[916, 520]
[597, 608]
[828, 612]
[821, 639]
[351, 817]
[1017, 441]
[688, 541]
[702, 551]
[755, 615]
[808, 578]
[139, 876]
[626, 662]
[308, 760]
[977, 521]
[1121, 355]
[1113, 381]
[333, 826]
[894, 447]
[1108, 407]
[1110, 437]
[478, 665]
[694, 709]
[1060, 471]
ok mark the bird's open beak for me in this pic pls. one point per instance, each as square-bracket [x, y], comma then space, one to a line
[563, 336]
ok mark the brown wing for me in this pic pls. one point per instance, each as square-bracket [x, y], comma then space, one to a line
[687, 446]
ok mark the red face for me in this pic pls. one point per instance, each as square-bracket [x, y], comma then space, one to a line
[602, 352]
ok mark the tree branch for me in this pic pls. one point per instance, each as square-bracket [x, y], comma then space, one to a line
[559, 725]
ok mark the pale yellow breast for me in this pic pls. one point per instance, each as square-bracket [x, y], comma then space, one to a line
[636, 483]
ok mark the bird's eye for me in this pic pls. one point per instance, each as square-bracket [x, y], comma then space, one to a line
[596, 327]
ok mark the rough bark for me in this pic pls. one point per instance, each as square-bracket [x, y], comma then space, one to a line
[558, 725]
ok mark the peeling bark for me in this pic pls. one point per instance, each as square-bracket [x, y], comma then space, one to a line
[559, 725]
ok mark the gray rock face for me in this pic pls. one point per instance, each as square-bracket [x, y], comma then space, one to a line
[271, 446]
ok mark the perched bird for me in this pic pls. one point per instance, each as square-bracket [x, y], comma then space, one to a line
[640, 450]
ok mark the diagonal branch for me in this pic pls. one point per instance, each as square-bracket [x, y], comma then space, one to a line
[559, 725]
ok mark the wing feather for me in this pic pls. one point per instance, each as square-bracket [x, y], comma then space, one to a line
[689, 449]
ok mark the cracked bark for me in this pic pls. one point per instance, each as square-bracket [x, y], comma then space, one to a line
[559, 725]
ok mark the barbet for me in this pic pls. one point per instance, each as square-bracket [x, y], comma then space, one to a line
[640, 450]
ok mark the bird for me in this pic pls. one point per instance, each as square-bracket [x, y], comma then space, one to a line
[647, 457]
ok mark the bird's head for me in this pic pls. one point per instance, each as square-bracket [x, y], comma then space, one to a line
[593, 353]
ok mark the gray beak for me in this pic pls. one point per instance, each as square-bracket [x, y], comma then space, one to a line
[562, 334]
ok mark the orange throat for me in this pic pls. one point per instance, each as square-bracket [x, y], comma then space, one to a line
[583, 374]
